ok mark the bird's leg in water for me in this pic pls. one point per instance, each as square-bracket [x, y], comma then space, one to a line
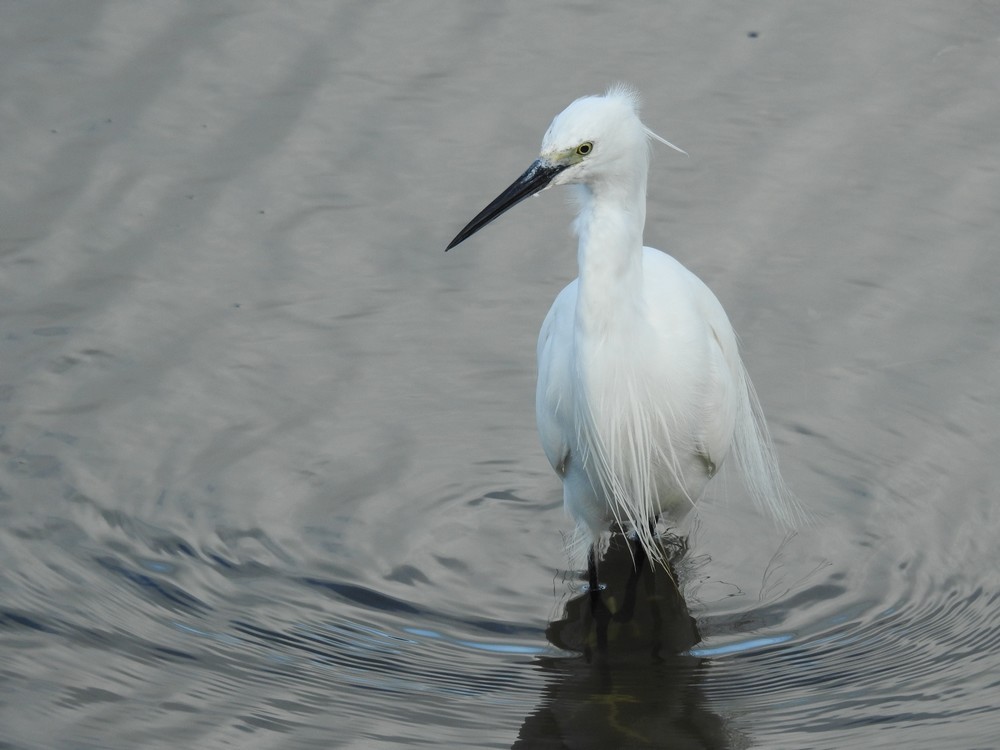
[592, 571]
[639, 559]
[639, 556]
[598, 609]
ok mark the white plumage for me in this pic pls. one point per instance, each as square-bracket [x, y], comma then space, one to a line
[641, 391]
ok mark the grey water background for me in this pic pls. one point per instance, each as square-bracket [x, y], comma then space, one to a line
[269, 475]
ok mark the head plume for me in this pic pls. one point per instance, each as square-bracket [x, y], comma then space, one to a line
[630, 96]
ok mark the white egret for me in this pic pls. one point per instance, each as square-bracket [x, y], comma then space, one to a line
[641, 391]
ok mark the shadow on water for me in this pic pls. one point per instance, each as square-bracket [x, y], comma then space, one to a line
[633, 682]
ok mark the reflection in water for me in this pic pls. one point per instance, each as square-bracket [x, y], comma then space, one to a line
[634, 683]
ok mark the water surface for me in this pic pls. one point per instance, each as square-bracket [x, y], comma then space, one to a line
[268, 469]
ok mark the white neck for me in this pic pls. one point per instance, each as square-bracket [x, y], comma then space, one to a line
[610, 224]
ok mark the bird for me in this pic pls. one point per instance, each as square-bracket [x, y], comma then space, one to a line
[642, 394]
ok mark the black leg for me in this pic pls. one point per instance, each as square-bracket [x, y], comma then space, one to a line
[598, 609]
[592, 570]
[639, 560]
[639, 556]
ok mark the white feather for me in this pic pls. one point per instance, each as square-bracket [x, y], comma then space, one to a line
[642, 394]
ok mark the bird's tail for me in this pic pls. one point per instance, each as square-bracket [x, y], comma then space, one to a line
[754, 453]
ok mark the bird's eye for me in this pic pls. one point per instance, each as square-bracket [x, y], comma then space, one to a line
[585, 148]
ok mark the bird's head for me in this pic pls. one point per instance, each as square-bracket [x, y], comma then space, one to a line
[596, 138]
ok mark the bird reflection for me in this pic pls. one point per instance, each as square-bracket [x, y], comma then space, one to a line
[632, 684]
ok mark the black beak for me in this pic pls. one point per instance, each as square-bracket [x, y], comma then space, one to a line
[534, 180]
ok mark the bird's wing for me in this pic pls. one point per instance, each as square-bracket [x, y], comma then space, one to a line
[553, 407]
[708, 369]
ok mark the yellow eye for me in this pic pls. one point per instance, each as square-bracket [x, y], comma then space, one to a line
[585, 148]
